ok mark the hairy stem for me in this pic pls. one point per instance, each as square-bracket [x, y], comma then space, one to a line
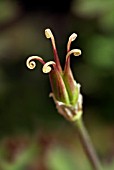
[87, 145]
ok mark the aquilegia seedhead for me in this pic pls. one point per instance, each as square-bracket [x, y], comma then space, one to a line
[65, 90]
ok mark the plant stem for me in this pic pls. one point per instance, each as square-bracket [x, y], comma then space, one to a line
[87, 145]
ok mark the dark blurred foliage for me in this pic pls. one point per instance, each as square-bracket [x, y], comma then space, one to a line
[49, 6]
[33, 135]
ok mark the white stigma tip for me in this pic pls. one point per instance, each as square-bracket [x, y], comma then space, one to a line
[47, 68]
[77, 52]
[30, 64]
[48, 33]
[73, 37]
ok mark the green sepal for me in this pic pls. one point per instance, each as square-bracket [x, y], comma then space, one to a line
[71, 86]
[58, 87]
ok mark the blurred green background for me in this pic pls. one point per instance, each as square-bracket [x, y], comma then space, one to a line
[33, 136]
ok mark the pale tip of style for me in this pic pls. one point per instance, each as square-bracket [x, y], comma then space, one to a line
[77, 52]
[48, 33]
[30, 64]
[47, 67]
[73, 37]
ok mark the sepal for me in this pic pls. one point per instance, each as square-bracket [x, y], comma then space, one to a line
[71, 113]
